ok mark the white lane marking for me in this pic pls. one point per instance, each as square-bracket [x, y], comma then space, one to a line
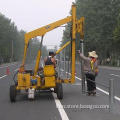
[117, 98]
[6, 75]
[16, 69]
[8, 65]
[115, 75]
[107, 93]
[78, 78]
[3, 76]
[60, 108]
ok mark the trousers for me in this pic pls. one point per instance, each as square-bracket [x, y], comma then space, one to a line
[91, 85]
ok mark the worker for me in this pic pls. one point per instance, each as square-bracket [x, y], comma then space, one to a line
[50, 60]
[90, 70]
[22, 68]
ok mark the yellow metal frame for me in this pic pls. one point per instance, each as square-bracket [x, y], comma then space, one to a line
[73, 42]
[80, 27]
[42, 31]
[77, 26]
[64, 46]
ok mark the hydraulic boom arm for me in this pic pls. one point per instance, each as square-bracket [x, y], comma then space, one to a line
[77, 26]
[41, 31]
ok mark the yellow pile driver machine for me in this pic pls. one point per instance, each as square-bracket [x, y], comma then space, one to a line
[31, 81]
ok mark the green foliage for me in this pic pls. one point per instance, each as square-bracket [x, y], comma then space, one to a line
[10, 36]
[117, 35]
[102, 27]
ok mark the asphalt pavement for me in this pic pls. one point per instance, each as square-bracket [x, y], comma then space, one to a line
[74, 106]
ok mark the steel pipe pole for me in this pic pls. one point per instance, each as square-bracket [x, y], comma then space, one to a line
[111, 94]
[82, 68]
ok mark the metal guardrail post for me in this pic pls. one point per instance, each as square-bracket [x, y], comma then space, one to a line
[59, 66]
[65, 69]
[64, 63]
[82, 71]
[111, 95]
[68, 69]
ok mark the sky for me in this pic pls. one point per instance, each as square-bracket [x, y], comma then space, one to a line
[32, 14]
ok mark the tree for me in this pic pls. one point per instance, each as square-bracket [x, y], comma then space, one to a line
[101, 18]
[12, 42]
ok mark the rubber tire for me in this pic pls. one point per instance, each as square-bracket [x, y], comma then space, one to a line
[13, 93]
[59, 91]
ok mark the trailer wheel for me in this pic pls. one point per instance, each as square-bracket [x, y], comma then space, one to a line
[13, 93]
[59, 91]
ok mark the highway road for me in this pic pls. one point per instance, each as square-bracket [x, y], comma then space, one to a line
[74, 106]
